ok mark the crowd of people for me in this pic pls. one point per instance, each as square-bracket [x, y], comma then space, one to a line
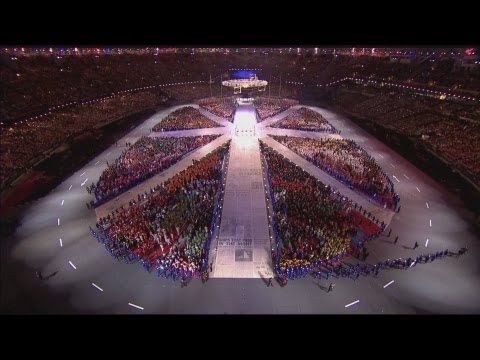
[25, 143]
[340, 269]
[347, 162]
[267, 107]
[142, 160]
[188, 92]
[34, 83]
[38, 81]
[452, 130]
[169, 230]
[313, 224]
[441, 73]
[395, 108]
[223, 107]
[39, 87]
[185, 118]
[306, 120]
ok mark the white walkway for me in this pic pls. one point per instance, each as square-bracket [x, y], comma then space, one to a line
[243, 249]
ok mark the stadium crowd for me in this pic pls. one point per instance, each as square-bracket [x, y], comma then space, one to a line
[452, 130]
[267, 107]
[27, 142]
[223, 107]
[169, 230]
[347, 162]
[313, 225]
[306, 120]
[50, 88]
[185, 118]
[39, 81]
[142, 160]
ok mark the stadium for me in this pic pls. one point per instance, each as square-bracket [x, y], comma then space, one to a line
[299, 180]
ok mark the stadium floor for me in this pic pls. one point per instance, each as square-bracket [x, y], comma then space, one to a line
[86, 279]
